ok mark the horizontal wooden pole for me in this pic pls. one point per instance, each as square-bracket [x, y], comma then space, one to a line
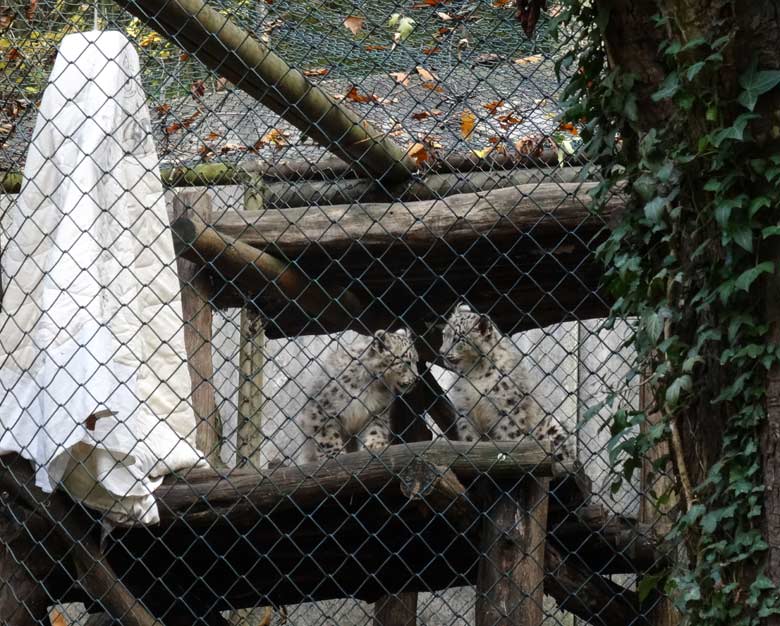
[300, 193]
[234, 53]
[201, 496]
[460, 219]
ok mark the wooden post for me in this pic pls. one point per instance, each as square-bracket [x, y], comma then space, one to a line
[659, 609]
[197, 315]
[510, 581]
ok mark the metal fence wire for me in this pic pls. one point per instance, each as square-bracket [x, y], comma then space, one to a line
[302, 323]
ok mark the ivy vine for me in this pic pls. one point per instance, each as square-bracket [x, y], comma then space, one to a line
[686, 262]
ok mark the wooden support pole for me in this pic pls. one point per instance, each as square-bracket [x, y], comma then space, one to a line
[196, 293]
[253, 270]
[76, 530]
[510, 582]
[232, 52]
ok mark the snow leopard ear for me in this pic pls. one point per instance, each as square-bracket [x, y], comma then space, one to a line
[379, 344]
[463, 308]
[403, 332]
[484, 325]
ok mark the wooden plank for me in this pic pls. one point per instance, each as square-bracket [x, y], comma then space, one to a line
[196, 292]
[546, 209]
[510, 583]
[250, 391]
[225, 47]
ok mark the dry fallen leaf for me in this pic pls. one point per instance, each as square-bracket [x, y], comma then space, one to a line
[505, 121]
[212, 136]
[467, 122]
[528, 12]
[426, 75]
[423, 4]
[322, 71]
[163, 109]
[419, 153]
[354, 23]
[6, 17]
[150, 39]
[569, 128]
[184, 57]
[374, 48]
[433, 87]
[198, 89]
[445, 17]
[276, 137]
[222, 84]
[354, 95]
[534, 58]
[492, 107]
[432, 50]
[426, 114]
[400, 77]
[14, 54]
[56, 618]
[29, 12]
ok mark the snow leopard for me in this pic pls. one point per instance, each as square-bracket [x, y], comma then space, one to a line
[350, 400]
[493, 393]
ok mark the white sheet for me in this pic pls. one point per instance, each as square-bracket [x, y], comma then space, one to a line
[91, 313]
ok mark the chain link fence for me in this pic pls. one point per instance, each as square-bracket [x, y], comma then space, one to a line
[302, 323]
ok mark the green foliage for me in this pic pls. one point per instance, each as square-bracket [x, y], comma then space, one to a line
[688, 262]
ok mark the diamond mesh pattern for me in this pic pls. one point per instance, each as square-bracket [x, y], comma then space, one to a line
[224, 279]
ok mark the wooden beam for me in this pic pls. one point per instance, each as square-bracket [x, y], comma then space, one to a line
[253, 270]
[578, 589]
[300, 193]
[75, 529]
[204, 497]
[232, 52]
[544, 210]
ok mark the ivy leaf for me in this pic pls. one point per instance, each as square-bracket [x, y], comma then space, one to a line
[648, 584]
[770, 231]
[735, 132]
[668, 89]
[756, 84]
[654, 325]
[748, 277]
[654, 209]
[743, 237]
[673, 391]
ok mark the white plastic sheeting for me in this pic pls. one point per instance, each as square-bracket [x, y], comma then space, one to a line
[91, 312]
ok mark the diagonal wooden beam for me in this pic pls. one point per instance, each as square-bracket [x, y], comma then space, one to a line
[232, 52]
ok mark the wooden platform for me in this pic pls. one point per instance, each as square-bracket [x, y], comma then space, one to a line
[359, 526]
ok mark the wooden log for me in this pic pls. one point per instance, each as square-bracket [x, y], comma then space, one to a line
[204, 497]
[23, 597]
[333, 167]
[502, 215]
[235, 54]
[196, 293]
[510, 583]
[74, 528]
[589, 596]
[300, 193]
[254, 270]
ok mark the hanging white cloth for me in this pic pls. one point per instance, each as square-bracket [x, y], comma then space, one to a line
[91, 313]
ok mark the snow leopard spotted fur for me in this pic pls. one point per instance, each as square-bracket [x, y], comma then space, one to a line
[493, 394]
[352, 398]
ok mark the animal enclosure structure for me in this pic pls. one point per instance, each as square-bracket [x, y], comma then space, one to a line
[337, 174]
